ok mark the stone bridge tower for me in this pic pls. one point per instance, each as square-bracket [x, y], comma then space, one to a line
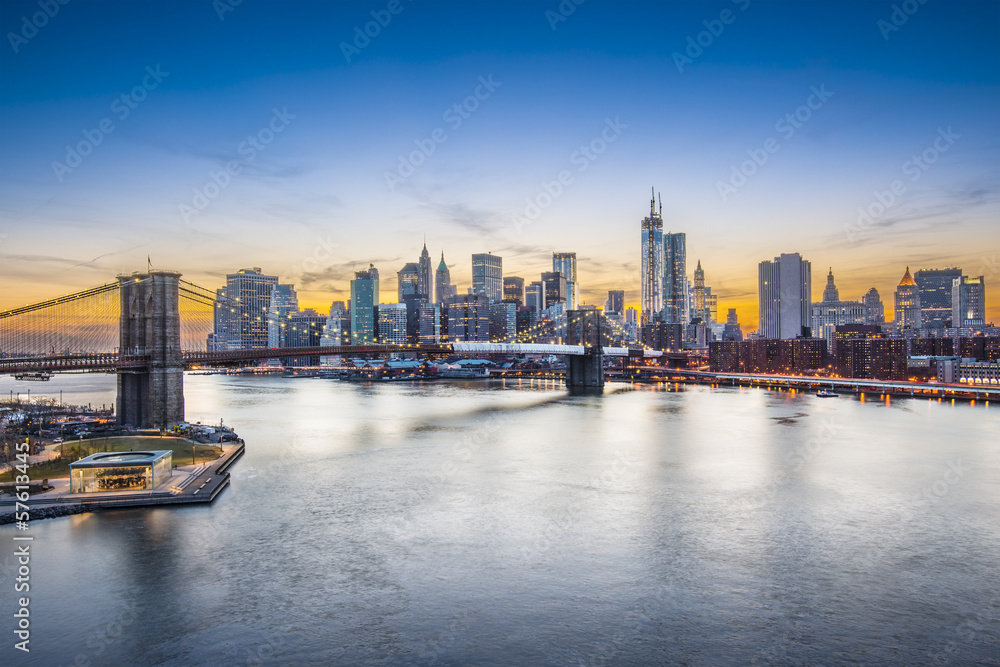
[151, 397]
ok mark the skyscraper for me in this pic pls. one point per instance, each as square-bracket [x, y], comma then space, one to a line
[784, 287]
[534, 296]
[830, 292]
[337, 328]
[554, 284]
[425, 276]
[907, 306]
[652, 262]
[565, 263]
[615, 303]
[934, 288]
[513, 290]
[675, 283]
[469, 318]
[487, 276]
[392, 324]
[874, 309]
[831, 312]
[699, 291]
[364, 299]
[968, 298]
[442, 282]
[284, 305]
[409, 281]
[249, 294]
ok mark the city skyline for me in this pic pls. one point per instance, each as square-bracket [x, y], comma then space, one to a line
[852, 146]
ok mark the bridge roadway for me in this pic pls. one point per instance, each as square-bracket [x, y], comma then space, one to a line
[115, 362]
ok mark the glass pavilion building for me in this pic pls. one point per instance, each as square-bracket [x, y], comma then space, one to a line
[120, 471]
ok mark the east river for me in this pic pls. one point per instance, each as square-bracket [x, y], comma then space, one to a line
[512, 524]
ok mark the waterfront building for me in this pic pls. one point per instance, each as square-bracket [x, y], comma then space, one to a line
[429, 327]
[513, 290]
[425, 275]
[121, 471]
[554, 283]
[934, 286]
[870, 358]
[652, 262]
[248, 292]
[565, 263]
[767, 356]
[969, 371]
[487, 276]
[408, 281]
[784, 288]
[392, 324]
[364, 300]
[907, 305]
[675, 282]
[443, 289]
[303, 329]
[469, 318]
[968, 299]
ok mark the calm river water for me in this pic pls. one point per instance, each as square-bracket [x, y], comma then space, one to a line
[512, 524]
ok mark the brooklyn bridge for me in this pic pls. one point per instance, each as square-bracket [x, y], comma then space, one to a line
[149, 327]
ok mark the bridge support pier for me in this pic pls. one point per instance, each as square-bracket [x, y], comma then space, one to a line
[585, 372]
[152, 397]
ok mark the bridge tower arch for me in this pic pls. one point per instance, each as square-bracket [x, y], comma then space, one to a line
[585, 372]
[151, 397]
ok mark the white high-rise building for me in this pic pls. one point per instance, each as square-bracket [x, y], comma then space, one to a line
[968, 302]
[565, 263]
[784, 296]
[392, 324]
[284, 305]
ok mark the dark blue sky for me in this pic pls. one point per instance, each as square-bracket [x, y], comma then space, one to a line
[321, 198]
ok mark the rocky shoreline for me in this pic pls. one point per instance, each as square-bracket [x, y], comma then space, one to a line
[48, 513]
